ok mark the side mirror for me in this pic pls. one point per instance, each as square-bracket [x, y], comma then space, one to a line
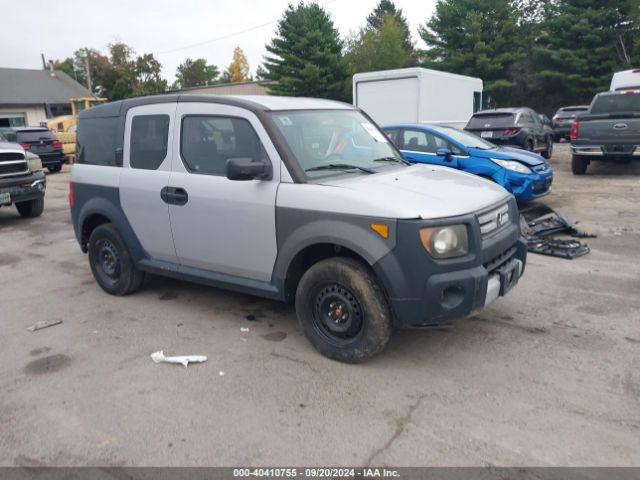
[446, 153]
[247, 169]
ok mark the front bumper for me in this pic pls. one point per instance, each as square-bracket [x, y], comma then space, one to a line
[526, 187]
[425, 292]
[24, 187]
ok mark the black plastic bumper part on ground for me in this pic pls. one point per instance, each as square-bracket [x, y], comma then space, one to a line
[425, 292]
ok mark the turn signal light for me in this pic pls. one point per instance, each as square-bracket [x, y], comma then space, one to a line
[381, 229]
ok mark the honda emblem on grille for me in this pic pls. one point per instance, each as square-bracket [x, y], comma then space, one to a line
[500, 218]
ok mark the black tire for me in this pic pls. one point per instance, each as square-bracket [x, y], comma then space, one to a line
[548, 152]
[55, 168]
[528, 145]
[343, 310]
[579, 165]
[31, 209]
[111, 262]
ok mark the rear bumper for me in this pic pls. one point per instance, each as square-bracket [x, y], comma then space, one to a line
[52, 159]
[606, 151]
[24, 188]
[424, 292]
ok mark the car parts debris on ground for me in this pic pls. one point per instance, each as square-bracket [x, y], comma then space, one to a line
[159, 357]
[539, 223]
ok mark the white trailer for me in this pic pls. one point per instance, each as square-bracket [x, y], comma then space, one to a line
[417, 95]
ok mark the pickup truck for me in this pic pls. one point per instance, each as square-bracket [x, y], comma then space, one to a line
[609, 130]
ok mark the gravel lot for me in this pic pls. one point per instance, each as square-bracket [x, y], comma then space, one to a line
[549, 375]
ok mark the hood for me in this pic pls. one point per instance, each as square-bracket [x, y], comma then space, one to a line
[530, 159]
[416, 191]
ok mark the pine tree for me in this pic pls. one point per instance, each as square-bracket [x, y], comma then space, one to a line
[305, 57]
[581, 44]
[477, 38]
[382, 48]
[376, 19]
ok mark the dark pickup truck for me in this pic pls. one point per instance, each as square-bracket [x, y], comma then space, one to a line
[609, 130]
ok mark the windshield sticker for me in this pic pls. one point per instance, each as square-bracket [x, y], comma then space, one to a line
[286, 121]
[374, 132]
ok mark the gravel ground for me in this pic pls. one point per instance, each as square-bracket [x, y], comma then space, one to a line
[549, 375]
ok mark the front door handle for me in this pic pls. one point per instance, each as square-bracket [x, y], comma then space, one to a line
[174, 195]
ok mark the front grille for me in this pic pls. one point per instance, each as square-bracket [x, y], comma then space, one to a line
[494, 220]
[7, 156]
[501, 259]
[14, 166]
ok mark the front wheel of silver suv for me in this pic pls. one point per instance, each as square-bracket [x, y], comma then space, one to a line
[343, 310]
[111, 263]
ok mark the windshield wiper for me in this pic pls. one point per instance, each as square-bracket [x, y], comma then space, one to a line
[340, 166]
[391, 159]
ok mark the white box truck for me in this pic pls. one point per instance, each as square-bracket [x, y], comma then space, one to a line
[417, 95]
[626, 79]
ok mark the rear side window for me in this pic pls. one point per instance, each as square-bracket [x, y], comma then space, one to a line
[207, 142]
[149, 134]
[499, 120]
[618, 103]
[97, 141]
[29, 136]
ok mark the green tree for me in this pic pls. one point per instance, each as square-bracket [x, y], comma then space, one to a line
[377, 18]
[478, 38]
[238, 69]
[68, 66]
[148, 80]
[581, 44]
[195, 73]
[305, 57]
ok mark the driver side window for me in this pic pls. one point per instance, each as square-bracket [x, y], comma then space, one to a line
[207, 142]
[421, 141]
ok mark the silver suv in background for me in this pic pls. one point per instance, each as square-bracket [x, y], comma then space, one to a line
[293, 199]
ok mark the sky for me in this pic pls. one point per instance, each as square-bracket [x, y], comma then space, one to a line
[171, 30]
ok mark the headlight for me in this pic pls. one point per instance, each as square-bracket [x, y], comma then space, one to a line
[511, 165]
[35, 164]
[445, 242]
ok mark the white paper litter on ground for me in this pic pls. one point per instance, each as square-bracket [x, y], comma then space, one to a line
[244, 329]
[159, 357]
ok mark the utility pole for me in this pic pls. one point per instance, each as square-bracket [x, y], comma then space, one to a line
[87, 70]
[44, 64]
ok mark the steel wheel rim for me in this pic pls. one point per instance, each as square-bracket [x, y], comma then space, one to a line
[108, 261]
[337, 314]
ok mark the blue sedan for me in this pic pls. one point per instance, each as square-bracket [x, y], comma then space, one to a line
[525, 174]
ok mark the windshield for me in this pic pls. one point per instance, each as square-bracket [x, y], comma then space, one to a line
[496, 120]
[616, 103]
[467, 139]
[326, 142]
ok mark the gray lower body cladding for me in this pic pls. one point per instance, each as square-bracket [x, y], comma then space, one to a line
[422, 291]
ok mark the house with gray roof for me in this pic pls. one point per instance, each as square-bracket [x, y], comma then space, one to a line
[30, 97]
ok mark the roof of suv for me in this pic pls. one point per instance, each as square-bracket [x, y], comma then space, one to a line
[250, 102]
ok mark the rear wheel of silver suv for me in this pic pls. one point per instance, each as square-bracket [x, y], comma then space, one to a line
[343, 310]
[111, 263]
